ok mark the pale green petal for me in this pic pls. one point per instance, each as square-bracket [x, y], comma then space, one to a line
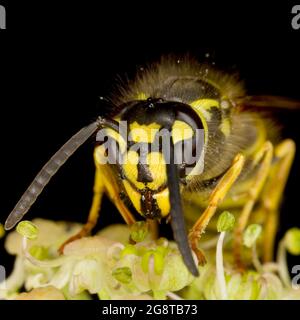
[107, 265]
[87, 275]
[116, 232]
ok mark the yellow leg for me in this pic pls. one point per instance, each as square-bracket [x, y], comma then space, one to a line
[123, 210]
[94, 211]
[112, 188]
[105, 181]
[215, 198]
[264, 159]
[272, 193]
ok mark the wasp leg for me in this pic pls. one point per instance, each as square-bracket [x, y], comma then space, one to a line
[112, 190]
[272, 193]
[215, 198]
[94, 211]
[111, 185]
[264, 157]
[105, 182]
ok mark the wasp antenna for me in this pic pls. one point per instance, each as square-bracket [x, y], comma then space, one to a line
[108, 122]
[177, 218]
[48, 171]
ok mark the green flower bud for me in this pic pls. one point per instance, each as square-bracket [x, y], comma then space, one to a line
[292, 241]
[123, 275]
[226, 222]
[28, 230]
[39, 252]
[251, 234]
[129, 249]
[139, 231]
[87, 274]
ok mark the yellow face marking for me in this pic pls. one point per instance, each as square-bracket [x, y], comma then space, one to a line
[163, 202]
[203, 105]
[156, 164]
[162, 199]
[181, 131]
[143, 133]
[131, 159]
[116, 136]
[134, 196]
[157, 167]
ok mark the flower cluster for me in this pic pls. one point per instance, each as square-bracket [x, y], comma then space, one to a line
[126, 263]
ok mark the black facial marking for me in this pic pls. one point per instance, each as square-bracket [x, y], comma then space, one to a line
[161, 112]
[164, 113]
[144, 174]
[149, 206]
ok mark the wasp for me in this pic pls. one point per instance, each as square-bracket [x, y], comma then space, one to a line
[241, 163]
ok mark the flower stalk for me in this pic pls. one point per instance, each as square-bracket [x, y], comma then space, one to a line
[225, 223]
[250, 238]
[29, 231]
[220, 267]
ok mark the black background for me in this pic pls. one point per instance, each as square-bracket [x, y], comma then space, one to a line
[56, 61]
